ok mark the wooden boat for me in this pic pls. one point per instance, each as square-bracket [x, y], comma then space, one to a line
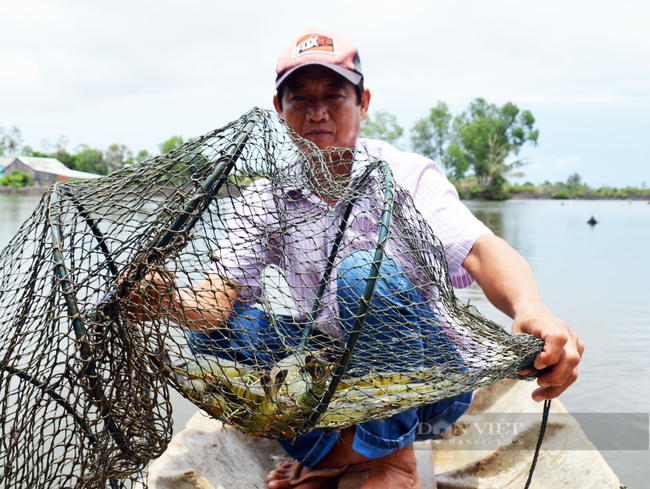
[207, 455]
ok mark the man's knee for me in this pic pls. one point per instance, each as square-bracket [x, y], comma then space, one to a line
[355, 268]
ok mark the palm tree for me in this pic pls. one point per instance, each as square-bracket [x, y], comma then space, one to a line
[497, 169]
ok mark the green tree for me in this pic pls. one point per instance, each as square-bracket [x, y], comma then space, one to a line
[116, 156]
[430, 135]
[497, 169]
[16, 179]
[485, 131]
[171, 144]
[574, 179]
[58, 150]
[90, 160]
[382, 125]
[575, 186]
[69, 160]
[142, 155]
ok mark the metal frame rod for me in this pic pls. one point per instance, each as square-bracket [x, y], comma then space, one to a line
[67, 290]
[364, 306]
[210, 188]
[101, 242]
[189, 216]
[55, 396]
[330, 259]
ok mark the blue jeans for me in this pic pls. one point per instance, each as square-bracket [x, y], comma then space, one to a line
[400, 330]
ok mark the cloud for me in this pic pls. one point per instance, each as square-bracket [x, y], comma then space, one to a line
[571, 160]
[140, 74]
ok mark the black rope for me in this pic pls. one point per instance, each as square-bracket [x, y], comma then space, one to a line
[542, 429]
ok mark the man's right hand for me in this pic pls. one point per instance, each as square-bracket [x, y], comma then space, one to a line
[203, 307]
[207, 305]
[152, 296]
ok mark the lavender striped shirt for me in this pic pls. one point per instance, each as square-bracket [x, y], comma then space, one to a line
[253, 240]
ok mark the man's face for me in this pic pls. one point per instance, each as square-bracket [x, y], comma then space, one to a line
[321, 106]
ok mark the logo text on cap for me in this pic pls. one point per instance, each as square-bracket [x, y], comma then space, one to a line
[314, 42]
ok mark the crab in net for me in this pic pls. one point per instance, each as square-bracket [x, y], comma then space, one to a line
[344, 311]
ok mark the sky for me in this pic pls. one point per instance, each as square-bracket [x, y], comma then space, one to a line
[137, 72]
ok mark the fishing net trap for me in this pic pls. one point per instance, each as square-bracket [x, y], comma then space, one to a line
[242, 270]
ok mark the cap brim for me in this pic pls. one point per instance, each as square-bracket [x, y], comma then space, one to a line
[352, 76]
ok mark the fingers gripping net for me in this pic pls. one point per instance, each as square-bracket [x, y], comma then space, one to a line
[248, 271]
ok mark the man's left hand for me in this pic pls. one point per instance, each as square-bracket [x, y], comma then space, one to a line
[562, 353]
[509, 284]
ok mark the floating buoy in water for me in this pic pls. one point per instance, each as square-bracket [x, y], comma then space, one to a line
[592, 221]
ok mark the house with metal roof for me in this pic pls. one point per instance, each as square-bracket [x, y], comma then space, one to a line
[45, 171]
[5, 161]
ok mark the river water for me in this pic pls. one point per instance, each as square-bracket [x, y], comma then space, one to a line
[594, 278]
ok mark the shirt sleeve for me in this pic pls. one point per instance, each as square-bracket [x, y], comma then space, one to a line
[452, 222]
[437, 200]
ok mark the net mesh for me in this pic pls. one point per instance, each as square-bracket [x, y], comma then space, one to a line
[247, 271]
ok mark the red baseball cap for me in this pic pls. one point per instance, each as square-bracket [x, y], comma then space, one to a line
[317, 46]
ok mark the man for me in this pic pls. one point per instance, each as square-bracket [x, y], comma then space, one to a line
[320, 94]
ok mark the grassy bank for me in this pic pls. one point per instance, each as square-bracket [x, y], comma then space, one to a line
[32, 190]
[564, 191]
[469, 188]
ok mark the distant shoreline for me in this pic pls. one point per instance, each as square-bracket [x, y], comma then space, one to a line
[40, 190]
[32, 190]
[583, 197]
